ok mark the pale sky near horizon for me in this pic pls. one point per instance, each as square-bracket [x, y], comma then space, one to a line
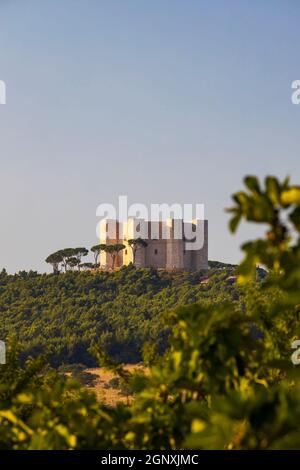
[161, 100]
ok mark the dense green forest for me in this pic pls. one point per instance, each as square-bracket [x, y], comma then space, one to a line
[63, 315]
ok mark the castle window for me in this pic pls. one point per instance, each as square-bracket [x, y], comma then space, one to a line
[125, 252]
[155, 252]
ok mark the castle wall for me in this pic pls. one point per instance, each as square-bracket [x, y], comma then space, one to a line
[156, 253]
[140, 258]
[175, 256]
[187, 260]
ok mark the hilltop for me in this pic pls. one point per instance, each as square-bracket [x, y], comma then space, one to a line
[62, 315]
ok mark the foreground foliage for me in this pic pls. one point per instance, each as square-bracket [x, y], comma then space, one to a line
[227, 380]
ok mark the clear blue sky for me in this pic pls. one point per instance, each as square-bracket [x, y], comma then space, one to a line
[162, 100]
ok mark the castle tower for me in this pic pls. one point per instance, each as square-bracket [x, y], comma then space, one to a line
[132, 229]
[175, 244]
[199, 256]
[110, 231]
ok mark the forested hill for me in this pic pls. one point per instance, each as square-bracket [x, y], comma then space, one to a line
[62, 315]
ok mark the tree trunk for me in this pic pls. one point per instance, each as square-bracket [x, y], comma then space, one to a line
[113, 262]
[134, 254]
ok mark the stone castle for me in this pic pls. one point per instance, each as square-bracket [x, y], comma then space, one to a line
[168, 246]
